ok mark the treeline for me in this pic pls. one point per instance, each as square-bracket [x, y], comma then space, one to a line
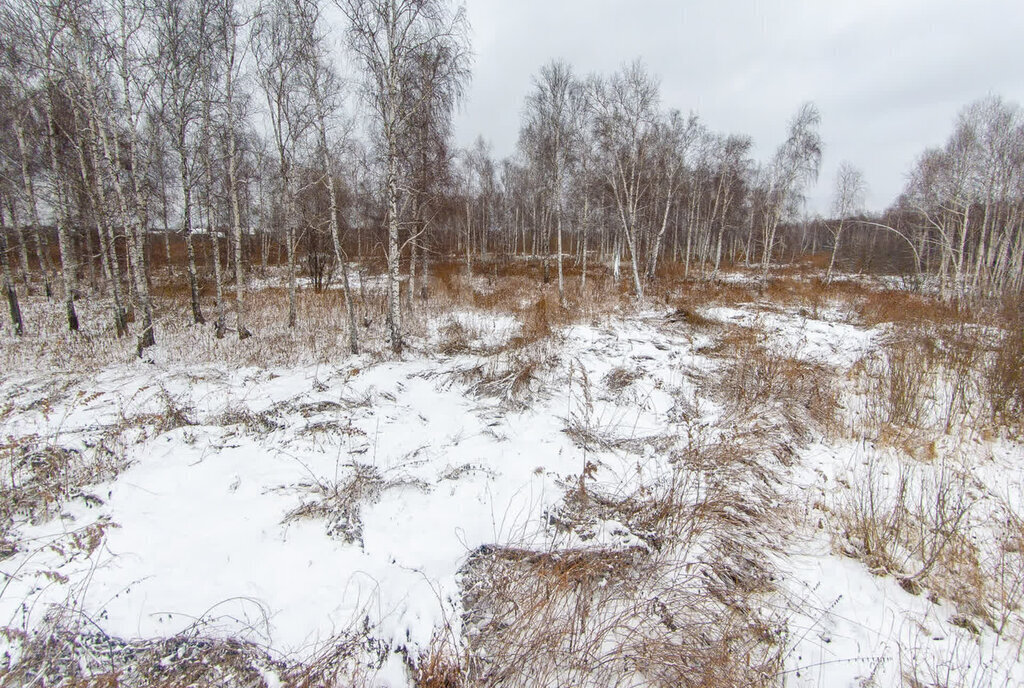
[132, 127]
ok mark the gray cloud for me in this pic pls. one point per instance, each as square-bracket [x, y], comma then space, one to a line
[889, 77]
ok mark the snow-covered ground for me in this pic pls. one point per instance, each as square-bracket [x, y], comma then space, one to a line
[285, 506]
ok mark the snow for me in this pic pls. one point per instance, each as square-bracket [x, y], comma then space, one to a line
[197, 527]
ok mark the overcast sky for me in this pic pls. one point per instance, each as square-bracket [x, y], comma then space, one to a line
[888, 76]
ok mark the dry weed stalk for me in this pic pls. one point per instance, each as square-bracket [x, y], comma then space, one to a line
[765, 388]
[1004, 376]
[915, 525]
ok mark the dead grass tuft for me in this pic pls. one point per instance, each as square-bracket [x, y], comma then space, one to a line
[589, 617]
[454, 339]
[339, 503]
[252, 422]
[688, 316]
[1004, 376]
[619, 378]
[513, 375]
[40, 476]
[754, 379]
[74, 652]
[440, 666]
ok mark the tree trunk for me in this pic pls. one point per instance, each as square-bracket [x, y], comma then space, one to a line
[561, 279]
[30, 193]
[469, 242]
[236, 214]
[339, 255]
[289, 225]
[10, 291]
[67, 260]
[835, 249]
[394, 286]
[586, 220]
[186, 232]
[219, 325]
[108, 250]
[19, 235]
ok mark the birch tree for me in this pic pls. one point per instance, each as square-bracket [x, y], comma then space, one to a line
[277, 46]
[386, 36]
[229, 21]
[625, 122]
[848, 200]
[796, 163]
[180, 27]
[434, 83]
[128, 45]
[324, 88]
[54, 17]
[10, 290]
[552, 140]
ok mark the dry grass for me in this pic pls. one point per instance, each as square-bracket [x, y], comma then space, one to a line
[755, 382]
[70, 650]
[899, 385]
[915, 526]
[339, 503]
[944, 378]
[454, 339]
[1004, 376]
[597, 617]
[897, 306]
[684, 609]
[38, 476]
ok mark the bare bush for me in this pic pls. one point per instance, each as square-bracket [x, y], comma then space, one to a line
[913, 523]
[1004, 376]
[1005, 569]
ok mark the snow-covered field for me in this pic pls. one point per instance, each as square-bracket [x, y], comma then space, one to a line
[293, 507]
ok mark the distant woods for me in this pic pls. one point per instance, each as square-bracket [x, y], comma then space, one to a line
[195, 142]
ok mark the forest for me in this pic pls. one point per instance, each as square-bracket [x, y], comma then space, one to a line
[215, 139]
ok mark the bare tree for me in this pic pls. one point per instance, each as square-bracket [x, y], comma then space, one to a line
[625, 121]
[278, 45]
[20, 70]
[127, 43]
[434, 83]
[229, 23]
[386, 35]
[324, 88]
[180, 27]
[795, 164]
[551, 139]
[54, 18]
[10, 291]
[848, 200]
[674, 138]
